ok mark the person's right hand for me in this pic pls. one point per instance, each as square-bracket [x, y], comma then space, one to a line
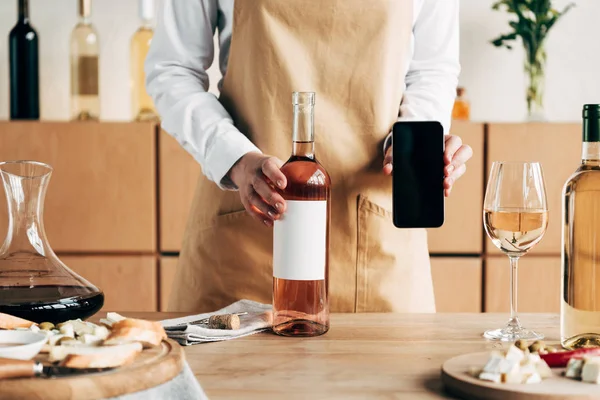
[255, 175]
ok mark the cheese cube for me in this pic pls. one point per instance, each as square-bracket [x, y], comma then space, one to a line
[101, 331]
[114, 317]
[514, 353]
[574, 367]
[90, 339]
[490, 377]
[67, 330]
[508, 366]
[81, 328]
[591, 372]
[493, 365]
[533, 378]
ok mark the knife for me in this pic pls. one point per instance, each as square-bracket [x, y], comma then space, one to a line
[10, 368]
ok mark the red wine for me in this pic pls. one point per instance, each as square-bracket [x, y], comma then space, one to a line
[24, 68]
[50, 303]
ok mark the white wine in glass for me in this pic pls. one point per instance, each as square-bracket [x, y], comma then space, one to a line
[515, 217]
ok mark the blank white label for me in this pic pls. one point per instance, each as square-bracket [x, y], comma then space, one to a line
[299, 241]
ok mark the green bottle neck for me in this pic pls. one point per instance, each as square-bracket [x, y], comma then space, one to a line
[24, 11]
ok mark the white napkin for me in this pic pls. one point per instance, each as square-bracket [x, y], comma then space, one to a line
[258, 319]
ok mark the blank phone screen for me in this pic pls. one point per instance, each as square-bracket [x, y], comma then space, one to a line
[418, 174]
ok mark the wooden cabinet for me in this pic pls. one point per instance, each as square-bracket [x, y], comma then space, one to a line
[168, 266]
[129, 282]
[102, 193]
[538, 284]
[178, 175]
[120, 194]
[462, 229]
[557, 147]
[457, 284]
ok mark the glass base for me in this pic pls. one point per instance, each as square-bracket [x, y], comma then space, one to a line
[512, 333]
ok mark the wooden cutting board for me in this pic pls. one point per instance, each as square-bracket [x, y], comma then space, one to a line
[151, 368]
[456, 379]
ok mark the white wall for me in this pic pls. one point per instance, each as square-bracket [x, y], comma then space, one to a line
[493, 77]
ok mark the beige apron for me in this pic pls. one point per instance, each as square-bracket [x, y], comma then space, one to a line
[354, 54]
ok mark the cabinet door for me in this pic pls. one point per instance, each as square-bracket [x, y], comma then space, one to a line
[462, 229]
[102, 193]
[457, 284]
[179, 174]
[558, 149]
[129, 282]
[168, 266]
[538, 284]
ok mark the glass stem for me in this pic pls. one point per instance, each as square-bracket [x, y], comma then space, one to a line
[514, 320]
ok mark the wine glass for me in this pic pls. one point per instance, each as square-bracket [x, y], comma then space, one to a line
[515, 217]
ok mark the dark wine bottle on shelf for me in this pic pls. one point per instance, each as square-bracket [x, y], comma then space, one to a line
[24, 68]
[301, 236]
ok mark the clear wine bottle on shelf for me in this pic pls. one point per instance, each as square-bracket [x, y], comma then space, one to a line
[24, 68]
[85, 99]
[142, 105]
[580, 255]
[301, 236]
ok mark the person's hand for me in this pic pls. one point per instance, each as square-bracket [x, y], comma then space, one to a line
[456, 154]
[255, 175]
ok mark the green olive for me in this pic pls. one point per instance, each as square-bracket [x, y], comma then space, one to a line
[46, 326]
[537, 346]
[521, 344]
[64, 339]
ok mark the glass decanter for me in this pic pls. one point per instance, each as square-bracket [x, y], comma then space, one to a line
[34, 283]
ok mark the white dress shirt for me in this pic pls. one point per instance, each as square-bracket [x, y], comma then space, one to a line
[182, 50]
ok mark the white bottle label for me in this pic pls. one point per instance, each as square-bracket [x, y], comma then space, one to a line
[299, 241]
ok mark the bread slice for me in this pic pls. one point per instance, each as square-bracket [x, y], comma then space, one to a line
[108, 353]
[103, 359]
[149, 333]
[10, 322]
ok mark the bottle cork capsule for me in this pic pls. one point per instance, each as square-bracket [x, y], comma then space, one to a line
[227, 321]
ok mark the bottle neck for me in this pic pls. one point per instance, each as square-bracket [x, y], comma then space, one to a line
[146, 9]
[304, 137]
[85, 11]
[146, 24]
[590, 154]
[23, 10]
[591, 140]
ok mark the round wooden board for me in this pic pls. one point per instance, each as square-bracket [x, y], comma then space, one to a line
[151, 368]
[456, 379]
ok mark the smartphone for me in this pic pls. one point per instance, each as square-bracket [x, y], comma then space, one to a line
[418, 174]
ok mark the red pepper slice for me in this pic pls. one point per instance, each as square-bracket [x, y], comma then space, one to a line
[560, 359]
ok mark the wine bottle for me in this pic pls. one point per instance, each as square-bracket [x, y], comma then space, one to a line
[85, 100]
[301, 235]
[580, 255]
[24, 68]
[142, 105]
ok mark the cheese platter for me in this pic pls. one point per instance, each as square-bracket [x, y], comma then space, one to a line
[525, 372]
[85, 360]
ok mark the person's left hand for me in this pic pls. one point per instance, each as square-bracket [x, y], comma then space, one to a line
[456, 154]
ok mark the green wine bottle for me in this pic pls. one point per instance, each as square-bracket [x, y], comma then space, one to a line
[24, 68]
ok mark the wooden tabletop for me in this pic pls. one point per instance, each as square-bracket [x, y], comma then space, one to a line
[363, 356]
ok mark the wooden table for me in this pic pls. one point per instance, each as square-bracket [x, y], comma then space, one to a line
[363, 356]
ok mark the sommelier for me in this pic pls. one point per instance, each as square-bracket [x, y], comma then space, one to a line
[370, 64]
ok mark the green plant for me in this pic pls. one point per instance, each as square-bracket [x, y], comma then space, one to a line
[534, 20]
